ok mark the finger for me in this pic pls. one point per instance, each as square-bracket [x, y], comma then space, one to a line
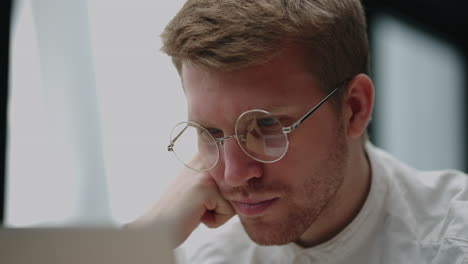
[214, 220]
[219, 215]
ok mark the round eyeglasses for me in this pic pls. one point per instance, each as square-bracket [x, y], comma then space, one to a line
[259, 134]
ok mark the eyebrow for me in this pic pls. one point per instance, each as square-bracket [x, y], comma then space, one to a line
[282, 109]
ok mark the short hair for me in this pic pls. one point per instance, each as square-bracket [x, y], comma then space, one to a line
[233, 34]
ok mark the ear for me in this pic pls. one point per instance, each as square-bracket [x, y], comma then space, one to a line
[358, 102]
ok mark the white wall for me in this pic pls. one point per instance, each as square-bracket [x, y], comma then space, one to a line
[106, 117]
[140, 98]
[420, 91]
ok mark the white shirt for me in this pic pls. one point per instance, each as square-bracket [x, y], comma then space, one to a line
[409, 216]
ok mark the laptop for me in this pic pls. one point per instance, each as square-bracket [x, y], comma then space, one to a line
[85, 245]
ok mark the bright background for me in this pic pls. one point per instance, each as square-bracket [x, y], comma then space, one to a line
[92, 104]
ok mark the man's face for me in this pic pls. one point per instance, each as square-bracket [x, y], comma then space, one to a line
[276, 202]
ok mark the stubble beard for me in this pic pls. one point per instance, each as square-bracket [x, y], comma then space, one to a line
[302, 206]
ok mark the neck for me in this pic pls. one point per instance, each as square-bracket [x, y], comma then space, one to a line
[347, 202]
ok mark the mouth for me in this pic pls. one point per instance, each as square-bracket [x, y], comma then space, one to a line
[252, 208]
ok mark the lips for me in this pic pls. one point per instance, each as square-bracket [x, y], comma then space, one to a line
[253, 208]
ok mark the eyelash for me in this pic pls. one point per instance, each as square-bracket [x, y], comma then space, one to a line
[214, 131]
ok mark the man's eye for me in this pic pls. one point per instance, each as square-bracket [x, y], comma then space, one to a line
[267, 122]
[217, 133]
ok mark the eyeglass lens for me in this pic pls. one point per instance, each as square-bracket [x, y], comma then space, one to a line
[194, 146]
[259, 134]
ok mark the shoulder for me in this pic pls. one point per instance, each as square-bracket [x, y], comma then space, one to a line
[429, 194]
[428, 209]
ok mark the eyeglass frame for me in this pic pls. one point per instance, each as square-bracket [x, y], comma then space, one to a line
[285, 130]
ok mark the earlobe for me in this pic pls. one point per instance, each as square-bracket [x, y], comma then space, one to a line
[359, 100]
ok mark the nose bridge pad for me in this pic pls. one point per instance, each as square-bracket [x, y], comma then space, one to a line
[221, 140]
[242, 138]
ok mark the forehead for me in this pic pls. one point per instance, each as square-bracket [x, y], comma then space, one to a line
[283, 84]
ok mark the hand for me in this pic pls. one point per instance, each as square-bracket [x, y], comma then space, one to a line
[192, 198]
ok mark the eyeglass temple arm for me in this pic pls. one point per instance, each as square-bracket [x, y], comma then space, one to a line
[171, 145]
[291, 128]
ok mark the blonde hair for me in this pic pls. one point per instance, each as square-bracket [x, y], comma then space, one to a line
[233, 34]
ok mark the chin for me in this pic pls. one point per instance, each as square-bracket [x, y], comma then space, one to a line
[273, 233]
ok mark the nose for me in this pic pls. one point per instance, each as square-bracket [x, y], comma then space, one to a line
[239, 168]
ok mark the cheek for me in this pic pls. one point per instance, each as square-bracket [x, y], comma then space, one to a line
[310, 145]
[217, 173]
[302, 154]
[287, 172]
[300, 163]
